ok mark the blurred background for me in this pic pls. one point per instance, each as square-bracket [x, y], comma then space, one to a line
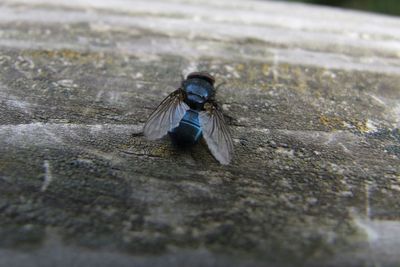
[390, 7]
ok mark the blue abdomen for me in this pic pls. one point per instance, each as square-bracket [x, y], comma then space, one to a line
[188, 131]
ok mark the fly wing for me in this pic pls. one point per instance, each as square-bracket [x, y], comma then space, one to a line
[216, 133]
[167, 116]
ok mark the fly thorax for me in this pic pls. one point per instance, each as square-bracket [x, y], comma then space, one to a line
[197, 92]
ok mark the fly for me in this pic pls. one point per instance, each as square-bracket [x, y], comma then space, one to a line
[191, 113]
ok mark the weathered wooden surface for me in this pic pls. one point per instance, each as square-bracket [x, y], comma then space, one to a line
[314, 94]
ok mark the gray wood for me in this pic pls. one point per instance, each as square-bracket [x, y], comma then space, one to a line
[314, 97]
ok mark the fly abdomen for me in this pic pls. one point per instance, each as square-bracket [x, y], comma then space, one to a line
[188, 131]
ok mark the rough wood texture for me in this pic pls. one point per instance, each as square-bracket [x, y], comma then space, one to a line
[314, 96]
